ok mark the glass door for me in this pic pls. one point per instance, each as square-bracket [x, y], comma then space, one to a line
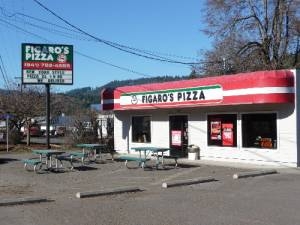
[178, 134]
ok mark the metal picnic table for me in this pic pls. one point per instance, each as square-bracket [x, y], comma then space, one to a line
[91, 149]
[158, 152]
[48, 155]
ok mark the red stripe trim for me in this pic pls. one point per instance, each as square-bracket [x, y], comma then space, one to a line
[259, 99]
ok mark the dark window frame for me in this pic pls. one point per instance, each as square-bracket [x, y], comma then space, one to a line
[259, 130]
[141, 129]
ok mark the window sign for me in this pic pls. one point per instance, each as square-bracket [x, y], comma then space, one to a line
[47, 64]
[215, 131]
[176, 137]
[227, 134]
[222, 130]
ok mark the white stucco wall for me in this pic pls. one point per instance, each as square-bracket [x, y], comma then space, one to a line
[285, 154]
[122, 129]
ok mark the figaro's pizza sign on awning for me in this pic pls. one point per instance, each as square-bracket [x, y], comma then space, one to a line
[262, 87]
[200, 95]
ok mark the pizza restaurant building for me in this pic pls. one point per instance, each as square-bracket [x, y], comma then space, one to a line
[250, 117]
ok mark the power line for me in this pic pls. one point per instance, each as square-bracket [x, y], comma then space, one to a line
[119, 67]
[77, 52]
[34, 18]
[23, 30]
[72, 30]
[82, 54]
[54, 31]
[65, 34]
[70, 35]
[22, 20]
[3, 72]
[115, 45]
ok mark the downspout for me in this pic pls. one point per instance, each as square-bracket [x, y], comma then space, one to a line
[297, 107]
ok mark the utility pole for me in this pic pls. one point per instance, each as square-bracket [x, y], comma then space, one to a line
[20, 84]
[7, 130]
[48, 115]
[224, 65]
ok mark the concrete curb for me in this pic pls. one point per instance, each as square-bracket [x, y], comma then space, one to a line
[18, 201]
[120, 190]
[188, 182]
[253, 174]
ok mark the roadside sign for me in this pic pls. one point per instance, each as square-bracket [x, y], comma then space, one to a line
[47, 64]
[6, 116]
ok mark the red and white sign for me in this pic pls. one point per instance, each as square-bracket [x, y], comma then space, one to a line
[227, 134]
[215, 130]
[176, 137]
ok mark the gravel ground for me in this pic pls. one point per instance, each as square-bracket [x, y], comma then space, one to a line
[271, 199]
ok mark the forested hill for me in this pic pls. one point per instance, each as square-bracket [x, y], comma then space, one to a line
[90, 95]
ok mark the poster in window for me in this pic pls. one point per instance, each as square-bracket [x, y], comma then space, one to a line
[227, 134]
[176, 137]
[215, 130]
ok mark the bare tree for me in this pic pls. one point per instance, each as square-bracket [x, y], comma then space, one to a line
[23, 104]
[85, 126]
[251, 35]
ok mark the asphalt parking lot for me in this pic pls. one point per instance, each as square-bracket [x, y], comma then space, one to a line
[270, 199]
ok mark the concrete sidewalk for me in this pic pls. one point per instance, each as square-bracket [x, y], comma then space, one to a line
[281, 168]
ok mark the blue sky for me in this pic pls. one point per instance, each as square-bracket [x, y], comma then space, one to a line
[160, 26]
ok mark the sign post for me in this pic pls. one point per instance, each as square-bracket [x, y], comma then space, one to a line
[47, 64]
[7, 129]
[48, 115]
[6, 116]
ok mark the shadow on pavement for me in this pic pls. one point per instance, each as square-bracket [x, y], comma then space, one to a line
[84, 168]
[187, 166]
[7, 160]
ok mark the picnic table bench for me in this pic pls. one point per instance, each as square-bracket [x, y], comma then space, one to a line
[138, 159]
[148, 153]
[72, 157]
[36, 163]
[175, 157]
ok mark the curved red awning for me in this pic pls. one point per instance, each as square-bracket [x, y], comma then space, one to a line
[260, 87]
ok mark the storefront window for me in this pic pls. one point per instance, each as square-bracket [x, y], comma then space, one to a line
[222, 130]
[141, 131]
[259, 130]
